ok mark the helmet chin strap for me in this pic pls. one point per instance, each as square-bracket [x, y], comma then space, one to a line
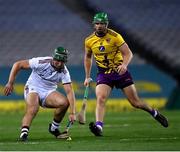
[101, 34]
[57, 69]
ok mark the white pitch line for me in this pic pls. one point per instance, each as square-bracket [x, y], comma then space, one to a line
[28, 143]
[142, 138]
[114, 125]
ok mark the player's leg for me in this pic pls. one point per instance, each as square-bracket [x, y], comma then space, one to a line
[132, 96]
[32, 107]
[102, 93]
[60, 102]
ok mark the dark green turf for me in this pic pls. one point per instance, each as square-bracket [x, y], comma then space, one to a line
[123, 131]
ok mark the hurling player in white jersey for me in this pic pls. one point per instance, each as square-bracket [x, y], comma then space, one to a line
[40, 89]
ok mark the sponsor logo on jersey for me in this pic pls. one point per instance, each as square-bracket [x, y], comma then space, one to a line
[101, 48]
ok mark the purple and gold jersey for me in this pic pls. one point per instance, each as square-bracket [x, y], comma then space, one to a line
[106, 50]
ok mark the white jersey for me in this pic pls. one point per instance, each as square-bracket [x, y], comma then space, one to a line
[44, 76]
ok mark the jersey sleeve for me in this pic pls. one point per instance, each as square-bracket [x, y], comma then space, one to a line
[119, 40]
[66, 77]
[87, 47]
[33, 63]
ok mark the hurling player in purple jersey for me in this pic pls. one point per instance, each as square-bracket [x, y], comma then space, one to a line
[112, 56]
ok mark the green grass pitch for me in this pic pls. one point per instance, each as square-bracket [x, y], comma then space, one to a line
[134, 130]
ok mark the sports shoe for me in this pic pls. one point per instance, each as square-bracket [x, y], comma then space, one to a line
[56, 132]
[63, 135]
[95, 130]
[161, 119]
[23, 137]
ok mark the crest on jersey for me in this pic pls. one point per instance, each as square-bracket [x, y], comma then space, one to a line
[101, 48]
[108, 40]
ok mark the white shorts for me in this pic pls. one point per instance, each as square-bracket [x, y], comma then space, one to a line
[42, 93]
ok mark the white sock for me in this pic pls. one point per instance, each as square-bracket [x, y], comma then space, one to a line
[54, 126]
[24, 130]
[99, 127]
[155, 113]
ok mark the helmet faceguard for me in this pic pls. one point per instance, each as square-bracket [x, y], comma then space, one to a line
[100, 18]
[60, 54]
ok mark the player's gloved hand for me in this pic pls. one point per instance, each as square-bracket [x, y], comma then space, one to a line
[72, 117]
[8, 89]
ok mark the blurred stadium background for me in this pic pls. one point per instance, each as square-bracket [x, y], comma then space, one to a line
[150, 27]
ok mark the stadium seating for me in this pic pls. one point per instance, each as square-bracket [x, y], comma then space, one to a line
[34, 28]
[155, 23]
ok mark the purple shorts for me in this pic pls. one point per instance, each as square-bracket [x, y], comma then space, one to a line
[114, 79]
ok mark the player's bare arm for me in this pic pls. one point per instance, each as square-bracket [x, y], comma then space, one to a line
[71, 98]
[127, 56]
[87, 64]
[23, 64]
